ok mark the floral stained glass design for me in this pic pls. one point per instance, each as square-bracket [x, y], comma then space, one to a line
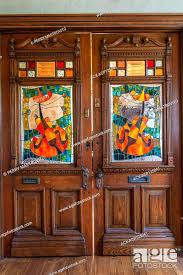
[136, 123]
[46, 123]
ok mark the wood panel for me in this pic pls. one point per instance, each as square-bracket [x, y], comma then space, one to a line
[68, 219]
[120, 209]
[29, 206]
[155, 207]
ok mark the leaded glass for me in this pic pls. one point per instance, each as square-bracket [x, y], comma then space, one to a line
[47, 123]
[136, 122]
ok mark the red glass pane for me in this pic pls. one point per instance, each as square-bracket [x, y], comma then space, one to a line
[31, 64]
[150, 63]
[60, 64]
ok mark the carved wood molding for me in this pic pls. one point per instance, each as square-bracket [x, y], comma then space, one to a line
[89, 22]
[135, 40]
[135, 43]
[47, 172]
[54, 43]
[118, 170]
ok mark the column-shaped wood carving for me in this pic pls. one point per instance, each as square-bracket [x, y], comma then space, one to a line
[78, 99]
[12, 81]
[169, 97]
[105, 87]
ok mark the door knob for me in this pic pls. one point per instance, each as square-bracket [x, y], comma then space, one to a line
[85, 174]
[99, 179]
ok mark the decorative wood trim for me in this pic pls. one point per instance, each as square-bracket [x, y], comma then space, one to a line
[118, 170]
[48, 172]
[13, 86]
[67, 245]
[88, 22]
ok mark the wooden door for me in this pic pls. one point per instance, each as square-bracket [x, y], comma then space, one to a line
[46, 108]
[137, 155]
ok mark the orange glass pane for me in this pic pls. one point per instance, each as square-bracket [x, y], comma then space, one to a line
[45, 69]
[112, 73]
[69, 73]
[22, 73]
[159, 72]
[121, 63]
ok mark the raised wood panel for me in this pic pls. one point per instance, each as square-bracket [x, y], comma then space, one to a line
[155, 207]
[120, 209]
[29, 207]
[68, 219]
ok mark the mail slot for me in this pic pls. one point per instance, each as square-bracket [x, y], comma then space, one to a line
[139, 179]
[31, 180]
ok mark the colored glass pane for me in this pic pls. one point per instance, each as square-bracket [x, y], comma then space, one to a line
[60, 73]
[31, 64]
[22, 73]
[135, 68]
[159, 63]
[121, 63]
[159, 72]
[31, 73]
[69, 64]
[121, 72]
[112, 64]
[112, 73]
[150, 63]
[69, 73]
[45, 69]
[22, 65]
[150, 72]
[60, 64]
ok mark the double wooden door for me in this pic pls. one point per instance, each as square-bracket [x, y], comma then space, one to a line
[89, 111]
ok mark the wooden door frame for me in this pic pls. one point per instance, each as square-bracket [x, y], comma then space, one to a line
[90, 23]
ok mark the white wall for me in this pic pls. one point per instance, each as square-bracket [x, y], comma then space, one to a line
[90, 6]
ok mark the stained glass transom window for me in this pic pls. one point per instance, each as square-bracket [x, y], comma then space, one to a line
[149, 67]
[45, 69]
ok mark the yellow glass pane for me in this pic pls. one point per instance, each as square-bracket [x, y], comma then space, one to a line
[112, 73]
[22, 73]
[45, 69]
[68, 73]
[159, 71]
[136, 68]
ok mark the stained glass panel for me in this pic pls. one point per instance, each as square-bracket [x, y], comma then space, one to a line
[46, 123]
[136, 68]
[136, 123]
[45, 69]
